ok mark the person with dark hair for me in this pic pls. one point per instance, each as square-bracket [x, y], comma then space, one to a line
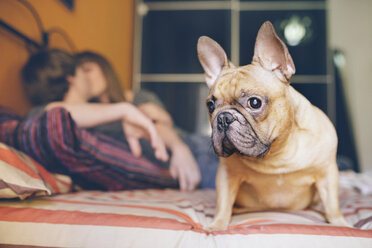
[108, 80]
[44, 76]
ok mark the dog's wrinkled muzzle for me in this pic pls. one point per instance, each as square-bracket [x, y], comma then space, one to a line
[232, 133]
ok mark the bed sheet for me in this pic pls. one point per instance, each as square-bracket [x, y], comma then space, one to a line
[170, 218]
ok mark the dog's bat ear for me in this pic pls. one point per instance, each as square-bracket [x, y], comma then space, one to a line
[271, 52]
[212, 57]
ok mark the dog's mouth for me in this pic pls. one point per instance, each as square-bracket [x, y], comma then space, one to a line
[239, 138]
[227, 147]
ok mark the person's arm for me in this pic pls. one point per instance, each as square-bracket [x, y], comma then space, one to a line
[88, 115]
[182, 162]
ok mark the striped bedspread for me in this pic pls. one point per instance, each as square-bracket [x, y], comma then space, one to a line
[170, 218]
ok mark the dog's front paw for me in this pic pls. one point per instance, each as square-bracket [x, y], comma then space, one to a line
[217, 225]
[339, 221]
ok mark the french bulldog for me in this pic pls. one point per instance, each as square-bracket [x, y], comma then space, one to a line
[277, 150]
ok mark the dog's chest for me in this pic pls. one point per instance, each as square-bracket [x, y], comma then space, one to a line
[281, 191]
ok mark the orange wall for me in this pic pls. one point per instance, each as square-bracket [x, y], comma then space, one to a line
[102, 26]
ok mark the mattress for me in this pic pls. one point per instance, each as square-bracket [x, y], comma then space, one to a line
[170, 218]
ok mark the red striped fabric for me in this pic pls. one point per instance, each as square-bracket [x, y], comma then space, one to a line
[124, 220]
[93, 161]
[83, 218]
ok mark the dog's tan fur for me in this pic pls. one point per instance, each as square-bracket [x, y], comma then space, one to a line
[300, 160]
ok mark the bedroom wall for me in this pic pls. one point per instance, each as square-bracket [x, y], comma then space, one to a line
[350, 30]
[103, 26]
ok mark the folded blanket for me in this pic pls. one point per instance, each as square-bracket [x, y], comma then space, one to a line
[94, 161]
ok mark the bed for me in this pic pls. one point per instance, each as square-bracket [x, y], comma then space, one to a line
[40, 207]
[171, 218]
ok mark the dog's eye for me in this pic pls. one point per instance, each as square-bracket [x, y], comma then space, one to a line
[210, 105]
[255, 103]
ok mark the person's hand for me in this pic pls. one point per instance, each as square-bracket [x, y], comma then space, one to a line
[136, 125]
[184, 168]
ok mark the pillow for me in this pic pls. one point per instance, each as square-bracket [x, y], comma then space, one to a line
[21, 176]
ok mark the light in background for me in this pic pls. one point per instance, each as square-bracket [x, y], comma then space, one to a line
[296, 30]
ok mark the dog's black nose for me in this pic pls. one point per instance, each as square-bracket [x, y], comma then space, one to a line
[224, 120]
